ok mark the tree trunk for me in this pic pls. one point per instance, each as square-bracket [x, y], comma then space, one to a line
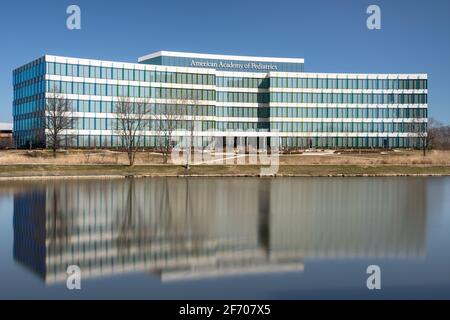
[166, 154]
[130, 157]
[424, 147]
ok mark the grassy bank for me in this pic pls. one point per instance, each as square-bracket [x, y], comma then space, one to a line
[337, 157]
[23, 164]
[42, 171]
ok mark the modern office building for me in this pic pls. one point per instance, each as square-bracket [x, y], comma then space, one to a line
[237, 99]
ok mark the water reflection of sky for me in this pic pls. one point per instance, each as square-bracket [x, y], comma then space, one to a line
[227, 238]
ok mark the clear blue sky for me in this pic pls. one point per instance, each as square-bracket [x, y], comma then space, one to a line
[331, 35]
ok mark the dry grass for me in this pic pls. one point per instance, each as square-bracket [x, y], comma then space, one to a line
[434, 157]
[76, 157]
[107, 157]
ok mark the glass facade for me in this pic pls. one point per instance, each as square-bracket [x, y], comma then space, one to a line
[29, 103]
[277, 100]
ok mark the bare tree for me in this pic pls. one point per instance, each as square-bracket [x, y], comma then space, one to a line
[192, 100]
[438, 134]
[418, 129]
[166, 121]
[132, 121]
[59, 118]
[190, 144]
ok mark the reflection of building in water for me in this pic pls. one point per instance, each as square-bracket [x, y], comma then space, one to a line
[180, 228]
[171, 227]
[348, 217]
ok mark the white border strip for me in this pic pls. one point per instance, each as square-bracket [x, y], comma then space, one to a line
[198, 134]
[217, 56]
[352, 76]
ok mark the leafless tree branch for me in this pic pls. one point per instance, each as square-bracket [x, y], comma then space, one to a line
[59, 118]
[131, 122]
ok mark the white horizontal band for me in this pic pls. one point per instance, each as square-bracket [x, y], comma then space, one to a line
[362, 76]
[230, 133]
[354, 91]
[133, 99]
[347, 105]
[244, 90]
[146, 84]
[217, 57]
[349, 120]
[241, 104]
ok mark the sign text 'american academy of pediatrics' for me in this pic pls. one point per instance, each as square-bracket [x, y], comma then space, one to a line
[233, 65]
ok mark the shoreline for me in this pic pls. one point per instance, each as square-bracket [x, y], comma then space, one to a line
[33, 172]
[73, 178]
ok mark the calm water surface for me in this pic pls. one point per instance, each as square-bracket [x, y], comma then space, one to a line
[283, 238]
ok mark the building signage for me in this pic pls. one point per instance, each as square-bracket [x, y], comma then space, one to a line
[233, 65]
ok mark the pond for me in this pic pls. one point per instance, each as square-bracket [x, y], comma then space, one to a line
[226, 238]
